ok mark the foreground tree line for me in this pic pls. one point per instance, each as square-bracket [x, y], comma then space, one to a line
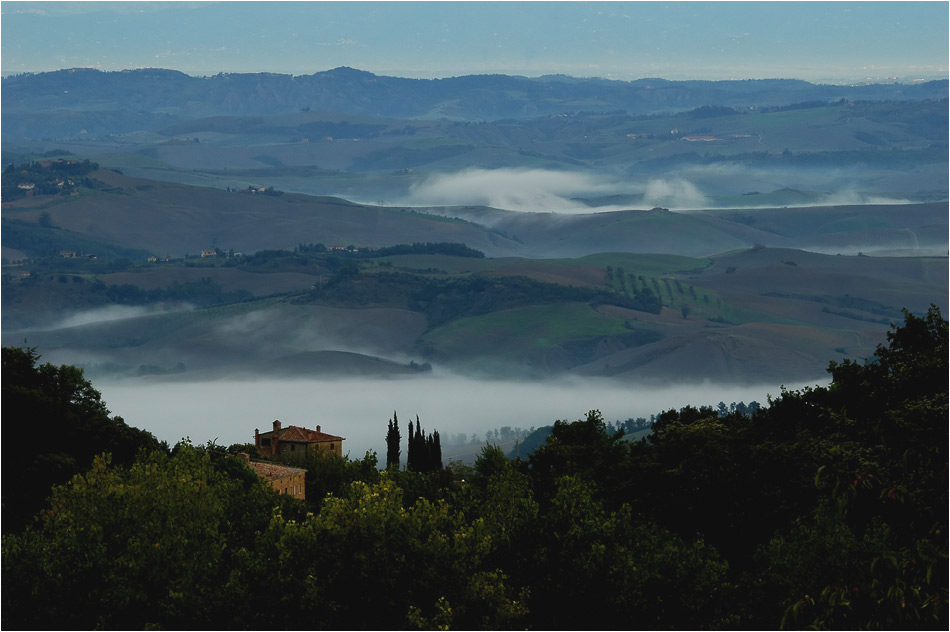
[827, 508]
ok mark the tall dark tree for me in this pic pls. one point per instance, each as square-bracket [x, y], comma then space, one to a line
[430, 449]
[436, 455]
[392, 443]
[420, 453]
[411, 450]
[425, 451]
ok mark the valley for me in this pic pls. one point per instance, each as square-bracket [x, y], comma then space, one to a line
[162, 227]
[640, 296]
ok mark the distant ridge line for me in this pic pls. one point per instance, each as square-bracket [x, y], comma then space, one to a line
[473, 97]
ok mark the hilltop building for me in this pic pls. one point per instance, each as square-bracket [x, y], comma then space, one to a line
[291, 439]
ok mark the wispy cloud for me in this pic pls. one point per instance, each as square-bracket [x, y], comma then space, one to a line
[112, 313]
[532, 190]
[548, 191]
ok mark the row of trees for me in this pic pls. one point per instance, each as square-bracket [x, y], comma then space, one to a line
[424, 453]
[825, 509]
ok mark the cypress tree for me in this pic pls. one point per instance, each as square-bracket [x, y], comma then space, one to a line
[392, 443]
[436, 451]
[421, 459]
[425, 451]
[430, 451]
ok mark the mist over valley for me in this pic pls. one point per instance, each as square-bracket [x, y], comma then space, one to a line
[743, 233]
[228, 411]
[334, 315]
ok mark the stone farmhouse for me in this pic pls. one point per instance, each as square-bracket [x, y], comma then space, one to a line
[292, 439]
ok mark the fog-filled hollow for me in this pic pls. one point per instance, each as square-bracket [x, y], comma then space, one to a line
[228, 411]
[551, 191]
[691, 187]
[528, 190]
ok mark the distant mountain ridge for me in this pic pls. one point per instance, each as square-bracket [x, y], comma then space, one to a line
[169, 95]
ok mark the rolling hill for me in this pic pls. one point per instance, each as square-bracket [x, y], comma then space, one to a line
[168, 219]
[634, 295]
[646, 230]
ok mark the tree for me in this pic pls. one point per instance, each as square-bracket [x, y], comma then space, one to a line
[76, 427]
[435, 461]
[425, 451]
[131, 548]
[392, 443]
[582, 448]
[887, 505]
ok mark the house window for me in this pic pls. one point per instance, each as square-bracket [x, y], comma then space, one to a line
[265, 443]
[332, 446]
[293, 447]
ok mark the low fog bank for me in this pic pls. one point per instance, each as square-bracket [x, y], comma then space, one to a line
[359, 409]
[549, 191]
[106, 314]
[698, 187]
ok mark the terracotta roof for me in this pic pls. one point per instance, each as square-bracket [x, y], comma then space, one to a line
[272, 471]
[302, 435]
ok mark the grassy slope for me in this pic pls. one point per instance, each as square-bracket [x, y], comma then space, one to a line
[520, 331]
[172, 219]
[771, 319]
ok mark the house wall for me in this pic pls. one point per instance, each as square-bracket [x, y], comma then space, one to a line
[335, 447]
[289, 447]
[291, 485]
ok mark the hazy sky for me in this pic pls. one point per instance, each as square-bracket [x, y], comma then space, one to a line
[817, 41]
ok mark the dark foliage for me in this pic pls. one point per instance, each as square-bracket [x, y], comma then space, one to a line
[50, 177]
[203, 293]
[57, 423]
[424, 453]
[826, 509]
[427, 248]
[392, 443]
[39, 240]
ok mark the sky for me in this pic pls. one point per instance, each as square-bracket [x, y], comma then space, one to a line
[828, 42]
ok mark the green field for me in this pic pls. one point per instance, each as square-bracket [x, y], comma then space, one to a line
[516, 334]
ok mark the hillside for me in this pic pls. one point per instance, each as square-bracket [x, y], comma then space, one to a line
[351, 134]
[646, 230]
[131, 93]
[752, 314]
[170, 219]
[815, 153]
[122, 214]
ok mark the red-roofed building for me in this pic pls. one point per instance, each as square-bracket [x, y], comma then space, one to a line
[294, 438]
